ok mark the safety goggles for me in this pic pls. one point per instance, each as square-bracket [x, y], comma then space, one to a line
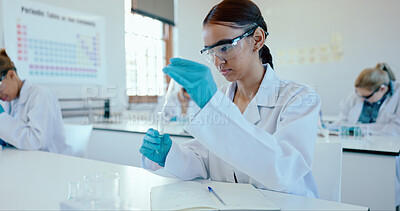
[372, 94]
[3, 75]
[226, 49]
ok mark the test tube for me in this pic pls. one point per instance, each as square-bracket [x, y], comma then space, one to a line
[160, 124]
[160, 115]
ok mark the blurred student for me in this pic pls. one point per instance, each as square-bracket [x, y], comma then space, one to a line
[30, 115]
[375, 102]
[181, 107]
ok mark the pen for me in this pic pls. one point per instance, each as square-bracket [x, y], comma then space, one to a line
[215, 194]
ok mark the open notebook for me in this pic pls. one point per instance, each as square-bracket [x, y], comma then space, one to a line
[194, 195]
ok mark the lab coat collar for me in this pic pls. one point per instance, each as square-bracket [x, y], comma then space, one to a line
[24, 92]
[266, 95]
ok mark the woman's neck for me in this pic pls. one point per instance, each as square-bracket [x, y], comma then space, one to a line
[19, 84]
[248, 87]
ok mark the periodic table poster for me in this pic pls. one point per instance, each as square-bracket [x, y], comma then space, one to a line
[54, 45]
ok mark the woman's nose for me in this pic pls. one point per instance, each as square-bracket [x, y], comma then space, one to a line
[218, 60]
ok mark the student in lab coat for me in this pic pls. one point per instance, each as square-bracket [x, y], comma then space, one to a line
[259, 130]
[376, 103]
[30, 115]
[180, 107]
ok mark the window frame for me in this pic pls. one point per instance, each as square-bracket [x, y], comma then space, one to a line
[167, 37]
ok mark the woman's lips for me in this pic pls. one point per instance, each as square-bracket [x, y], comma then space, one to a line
[225, 72]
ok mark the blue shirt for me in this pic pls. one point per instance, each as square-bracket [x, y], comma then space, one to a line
[370, 111]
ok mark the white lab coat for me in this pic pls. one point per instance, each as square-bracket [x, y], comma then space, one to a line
[388, 120]
[270, 145]
[33, 121]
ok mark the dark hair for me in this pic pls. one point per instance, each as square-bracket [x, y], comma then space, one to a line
[5, 62]
[242, 13]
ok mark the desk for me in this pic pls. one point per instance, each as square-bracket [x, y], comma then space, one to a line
[369, 171]
[39, 180]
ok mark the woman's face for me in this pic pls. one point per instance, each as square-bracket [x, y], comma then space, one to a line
[372, 96]
[234, 68]
[9, 88]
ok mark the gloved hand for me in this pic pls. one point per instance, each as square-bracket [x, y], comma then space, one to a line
[1, 109]
[156, 147]
[194, 77]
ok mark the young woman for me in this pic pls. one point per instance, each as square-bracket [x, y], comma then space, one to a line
[376, 101]
[259, 130]
[30, 116]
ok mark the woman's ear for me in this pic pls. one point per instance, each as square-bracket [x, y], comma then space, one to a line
[11, 74]
[259, 38]
[383, 88]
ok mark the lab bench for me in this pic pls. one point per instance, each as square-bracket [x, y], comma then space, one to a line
[37, 180]
[369, 171]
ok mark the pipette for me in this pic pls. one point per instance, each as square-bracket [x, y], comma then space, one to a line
[160, 123]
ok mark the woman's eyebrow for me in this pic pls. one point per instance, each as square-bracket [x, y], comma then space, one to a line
[225, 41]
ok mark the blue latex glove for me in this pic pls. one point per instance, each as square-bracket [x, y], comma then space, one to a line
[194, 77]
[156, 147]
[1, 109]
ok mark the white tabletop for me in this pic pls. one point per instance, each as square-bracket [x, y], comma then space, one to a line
[389, 145]
[39, 180]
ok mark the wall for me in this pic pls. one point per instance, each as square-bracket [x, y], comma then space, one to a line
[114, 87]
[368, 29]
[189, 22]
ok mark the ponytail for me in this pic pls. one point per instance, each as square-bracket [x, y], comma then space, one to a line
[265, 56]
[386, 68]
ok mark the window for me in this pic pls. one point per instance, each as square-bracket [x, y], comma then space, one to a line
[147, 43]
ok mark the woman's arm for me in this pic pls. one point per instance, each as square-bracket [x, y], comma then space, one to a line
[276, 160]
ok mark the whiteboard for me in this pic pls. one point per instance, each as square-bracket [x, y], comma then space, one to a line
[53, 45]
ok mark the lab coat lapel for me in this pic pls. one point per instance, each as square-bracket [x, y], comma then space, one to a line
[266, 95]
[252, 112]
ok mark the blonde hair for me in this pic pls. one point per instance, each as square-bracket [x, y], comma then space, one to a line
[5, 62]
[373, 78]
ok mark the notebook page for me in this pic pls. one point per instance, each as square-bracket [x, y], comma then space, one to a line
[181, 196]
[241, 197]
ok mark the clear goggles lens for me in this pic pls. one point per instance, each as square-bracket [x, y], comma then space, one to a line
[2, 76]
[223, 52]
